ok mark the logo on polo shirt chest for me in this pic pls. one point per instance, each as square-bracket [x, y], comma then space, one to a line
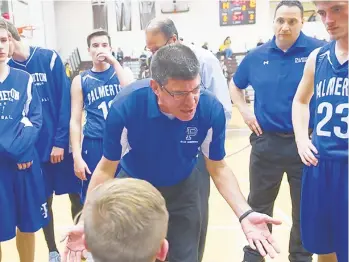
[300, 60]
[190, 136]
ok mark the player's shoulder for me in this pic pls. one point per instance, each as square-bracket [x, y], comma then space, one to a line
[133, 93]
[42, 50]
[312, 42]
[21, 74]
[209, 104]
[50, 54]
[320, 51]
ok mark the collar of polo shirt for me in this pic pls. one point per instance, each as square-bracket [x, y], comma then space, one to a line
[300, 43]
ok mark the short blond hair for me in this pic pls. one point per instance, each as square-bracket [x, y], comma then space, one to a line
[11, 29]
[3, 24]
[126, 220]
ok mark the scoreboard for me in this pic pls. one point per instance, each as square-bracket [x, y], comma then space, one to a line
[237, 12]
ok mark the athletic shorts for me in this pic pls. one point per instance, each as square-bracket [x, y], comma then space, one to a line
[324, 208]
[60, 178]
[22, 199]
[92, 152]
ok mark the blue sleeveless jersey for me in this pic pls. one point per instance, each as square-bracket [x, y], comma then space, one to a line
[99, 90]
[331, 115]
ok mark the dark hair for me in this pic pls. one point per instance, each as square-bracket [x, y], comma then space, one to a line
[99, 32]
[165, 26]
[290, 3]
[174, 61]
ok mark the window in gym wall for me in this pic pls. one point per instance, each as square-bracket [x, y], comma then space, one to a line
[100, 14]
[146, 12]
[123, 15]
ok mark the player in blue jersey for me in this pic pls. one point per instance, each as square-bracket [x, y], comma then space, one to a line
[50, 79]
[324, 202]
[154, 131]
[93, 92]
[22, 192]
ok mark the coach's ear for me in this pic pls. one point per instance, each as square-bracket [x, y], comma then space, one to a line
[162, 253]
[155, 86]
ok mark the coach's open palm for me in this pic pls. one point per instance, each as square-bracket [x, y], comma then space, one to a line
[258, 235]
[75, 248]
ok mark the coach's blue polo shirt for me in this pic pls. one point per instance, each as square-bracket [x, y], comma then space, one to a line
[275, 75]
[154, 147]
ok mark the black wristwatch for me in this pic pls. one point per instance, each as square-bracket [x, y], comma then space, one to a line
[245, 214]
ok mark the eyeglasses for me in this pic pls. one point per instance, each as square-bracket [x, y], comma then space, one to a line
[157, 48]
[182, 95]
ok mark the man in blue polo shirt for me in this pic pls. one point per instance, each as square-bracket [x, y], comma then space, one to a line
[274, 70]
[154, 132]
[162, 31]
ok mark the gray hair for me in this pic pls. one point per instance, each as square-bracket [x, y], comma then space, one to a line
[174, 61]
[165, 26]
[126, 220]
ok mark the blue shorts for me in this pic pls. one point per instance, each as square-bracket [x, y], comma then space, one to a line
[92, 152]
[60, 178]
[22, 199]
[324, 208]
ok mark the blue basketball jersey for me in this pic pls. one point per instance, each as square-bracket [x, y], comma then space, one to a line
[20, 116]
[99, 90]
[52, 84]
[331, 115]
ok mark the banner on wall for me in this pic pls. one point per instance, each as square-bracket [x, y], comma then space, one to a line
[146, 12]
[310, 14]
[100, 15]
[123, 15]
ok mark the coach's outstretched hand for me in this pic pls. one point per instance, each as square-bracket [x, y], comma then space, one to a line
[258, 235]
[75, 248]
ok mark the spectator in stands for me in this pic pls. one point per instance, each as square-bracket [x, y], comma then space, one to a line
[225, 48]
[205, 46]
[68, 70]
[260, 42]
[126, 220]
[119, 55]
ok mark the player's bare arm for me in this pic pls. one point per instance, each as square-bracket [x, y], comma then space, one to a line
[254, 225]
[249, 117]
[104, 171]
[80, 167]
[301, 114]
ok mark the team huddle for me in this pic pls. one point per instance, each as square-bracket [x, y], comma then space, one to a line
[136, 156]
